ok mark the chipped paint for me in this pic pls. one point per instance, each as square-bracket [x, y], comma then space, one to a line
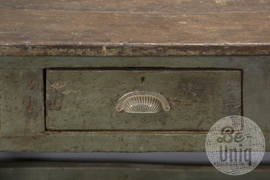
[57, 85]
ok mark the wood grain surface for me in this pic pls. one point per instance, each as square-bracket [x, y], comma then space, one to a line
[114, 28]
[140, 6]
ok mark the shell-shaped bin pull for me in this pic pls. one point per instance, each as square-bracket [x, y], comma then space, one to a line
[142, 102]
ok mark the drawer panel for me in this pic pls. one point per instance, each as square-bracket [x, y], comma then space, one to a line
[86, 99]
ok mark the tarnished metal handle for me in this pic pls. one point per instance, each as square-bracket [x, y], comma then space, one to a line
[142, 102]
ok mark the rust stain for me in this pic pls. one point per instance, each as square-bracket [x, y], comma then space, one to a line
[54, 105]
[59, 104]
[54, 96]
[30, 107]
[34, 84]
[31, 84]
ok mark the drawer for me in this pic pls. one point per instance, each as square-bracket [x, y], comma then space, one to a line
[86, 99]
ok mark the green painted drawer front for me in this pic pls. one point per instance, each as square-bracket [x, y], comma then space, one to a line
[86, 99]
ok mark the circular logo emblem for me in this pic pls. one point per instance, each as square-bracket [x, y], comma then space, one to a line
[235, 145]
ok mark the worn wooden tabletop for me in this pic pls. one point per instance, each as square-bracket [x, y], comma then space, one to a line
[135, 28]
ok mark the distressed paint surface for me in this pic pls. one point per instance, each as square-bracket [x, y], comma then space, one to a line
[86, 99]
[108, 141]
[119, 171]
[104, 141]
[256, 88]
[22, 106]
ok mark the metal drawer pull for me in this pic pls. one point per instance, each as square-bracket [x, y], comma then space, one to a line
[142, 102]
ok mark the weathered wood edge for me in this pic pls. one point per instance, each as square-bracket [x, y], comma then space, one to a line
[219, 62]
[102, 171]
[140, 6]
[129, 49]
